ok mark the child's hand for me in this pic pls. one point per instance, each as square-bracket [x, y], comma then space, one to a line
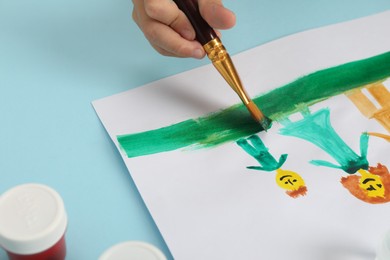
[168, 29]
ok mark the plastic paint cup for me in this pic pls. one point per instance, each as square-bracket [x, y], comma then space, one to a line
[33, 223]
[383, 252]
[133, 250]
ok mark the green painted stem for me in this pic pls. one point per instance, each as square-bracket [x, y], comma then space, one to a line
[255, 147]
[235, 122]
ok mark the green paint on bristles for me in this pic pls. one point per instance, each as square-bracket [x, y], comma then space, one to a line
[235, 122]
[266, 123]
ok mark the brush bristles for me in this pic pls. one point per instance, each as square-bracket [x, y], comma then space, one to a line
[258, 115]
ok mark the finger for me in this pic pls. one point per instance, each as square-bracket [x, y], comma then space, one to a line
[216, 14]
[166, 12]
[163, 38]
[168, 42]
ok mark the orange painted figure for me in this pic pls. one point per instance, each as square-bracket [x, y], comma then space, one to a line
[372, 186]
[382, 95]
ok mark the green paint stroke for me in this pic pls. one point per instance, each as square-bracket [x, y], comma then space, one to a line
[256, 148]
[317, 129]
[235, 122]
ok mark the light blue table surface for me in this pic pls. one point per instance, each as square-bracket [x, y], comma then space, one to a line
[56, 57]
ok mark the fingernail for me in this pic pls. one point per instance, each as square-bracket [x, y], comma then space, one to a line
[198, 53]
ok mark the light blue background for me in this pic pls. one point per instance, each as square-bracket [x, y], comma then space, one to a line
[56, 57]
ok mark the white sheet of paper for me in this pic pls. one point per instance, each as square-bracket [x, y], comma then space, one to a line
[208, 205]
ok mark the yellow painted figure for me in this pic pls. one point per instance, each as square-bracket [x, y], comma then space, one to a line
[292, 182]
[371, 184]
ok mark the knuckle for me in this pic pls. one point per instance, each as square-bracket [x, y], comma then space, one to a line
[153, 8]
[181, 50]
[162, 52]
[175, 22]
[151, 34]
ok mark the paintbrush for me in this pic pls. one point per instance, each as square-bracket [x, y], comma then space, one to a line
[219, 57]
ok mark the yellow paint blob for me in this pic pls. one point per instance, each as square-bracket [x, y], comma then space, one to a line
[371, 184]
[289, 180]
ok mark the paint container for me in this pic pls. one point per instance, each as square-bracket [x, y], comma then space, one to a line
[133, 250]
[383, 252]
[33, 223]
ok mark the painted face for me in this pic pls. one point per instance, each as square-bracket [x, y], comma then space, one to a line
[372, 184]
[289, 180]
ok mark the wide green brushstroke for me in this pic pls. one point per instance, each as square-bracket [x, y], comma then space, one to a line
[256, 148]
[234, 123]
[317, 129]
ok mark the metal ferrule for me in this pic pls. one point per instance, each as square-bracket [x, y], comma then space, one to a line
[223, 63]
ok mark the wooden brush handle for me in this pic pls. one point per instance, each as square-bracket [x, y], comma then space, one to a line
[204, 33]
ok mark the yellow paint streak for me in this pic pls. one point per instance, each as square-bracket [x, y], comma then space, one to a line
[386, 137]
[365, 106]
[380, 93]
[383, 117]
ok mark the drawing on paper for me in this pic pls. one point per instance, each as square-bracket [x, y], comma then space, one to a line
[234, 124]
[367, 107]
[189, 168]
[317, 129]
[290, 181]
[255, 147]
[386, 137]
[372, 186]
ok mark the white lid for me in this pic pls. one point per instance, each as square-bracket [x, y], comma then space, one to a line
[133, 250]
[383, 252]
[32, 219]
